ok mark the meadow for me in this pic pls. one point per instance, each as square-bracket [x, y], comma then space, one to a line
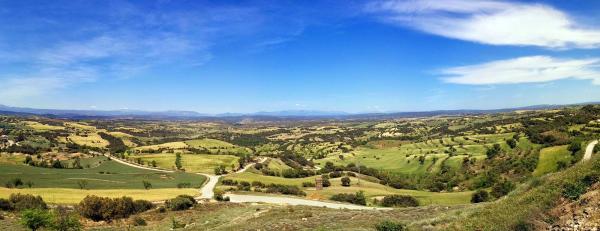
[203, 163]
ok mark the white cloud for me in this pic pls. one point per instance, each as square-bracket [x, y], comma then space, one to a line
[530, 69]
[490, 22]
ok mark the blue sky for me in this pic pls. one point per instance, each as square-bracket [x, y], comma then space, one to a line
[247, 56]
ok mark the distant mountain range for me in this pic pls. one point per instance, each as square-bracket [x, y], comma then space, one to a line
[257, 116]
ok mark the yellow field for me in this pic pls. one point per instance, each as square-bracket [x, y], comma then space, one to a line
[42, 127]
[80, 126]
[192, 162]
[74, 196]
[92, 140]
[170, 145]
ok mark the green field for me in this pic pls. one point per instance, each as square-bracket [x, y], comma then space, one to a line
[400, 157]
[549, 158]
[108, 175]
[203, 163]
[371, 189]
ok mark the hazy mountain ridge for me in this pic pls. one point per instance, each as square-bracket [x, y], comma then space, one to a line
[259, 116]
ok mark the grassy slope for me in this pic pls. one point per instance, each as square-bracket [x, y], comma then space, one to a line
[527, 203]
[549, 157]
[192, 162]
[121, 177]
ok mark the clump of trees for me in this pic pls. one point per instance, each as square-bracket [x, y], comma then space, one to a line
[357, 198]
[480, 196]
[399, 201]
[181, 202]
[106, 209]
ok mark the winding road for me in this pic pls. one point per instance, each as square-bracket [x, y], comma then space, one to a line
[207, 191]
[589, 150]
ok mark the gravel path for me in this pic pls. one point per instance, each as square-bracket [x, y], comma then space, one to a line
[296, 201]
[589, 150]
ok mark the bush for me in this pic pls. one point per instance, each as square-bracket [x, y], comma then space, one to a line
[35, 218]
[345, 181]
[142, 206]
[308, 184]
[357, 198]
[390, 226]
[573, 190]
[351, 174]
[399, 201]
[480, 196]
[63, 220]
[285, 189]
[258, 184]
[5, 205]
[184, 185]
[26, 201]
[138, 221]
[147, 185]
[229, 182]
[502, 188]
[104, 208]
[219, 196]
[181, 202]
[335, 174]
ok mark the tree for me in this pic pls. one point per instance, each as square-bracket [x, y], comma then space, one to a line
[77, 163]
[574, 147]
[153, 163]
[35, 218]
[178, 161]
[147, 185]
[494, 151]
[57, 164]
[512, 143]
[345, 181]
[502, 188]
[480, 196]
[82, 184]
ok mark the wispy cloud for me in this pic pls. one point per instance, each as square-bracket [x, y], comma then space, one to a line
[124, 41]
[489, 22]
[530, 69]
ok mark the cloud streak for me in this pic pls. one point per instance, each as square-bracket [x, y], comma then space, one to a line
[529, 69]
[489, 22]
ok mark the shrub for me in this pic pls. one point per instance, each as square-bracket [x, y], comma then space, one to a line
[285, 189]
[184, 185]
[62, 220]
[138, 221]
[26, 201]
[345, 181]
[229, 182]
[335, 174]
[523, 226]
[390, 226]
[357, 198]
[351, 174]
[104, 208]
[502, 188]
[147, 185]
[5, 205]
[573, 190]
[480, 196]
[142, 206]
[181, 202]
[258, 184]
[308, 184]
[16, 182]
[95, 208]
[219, 196]
[399, 201]
[35, 218]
